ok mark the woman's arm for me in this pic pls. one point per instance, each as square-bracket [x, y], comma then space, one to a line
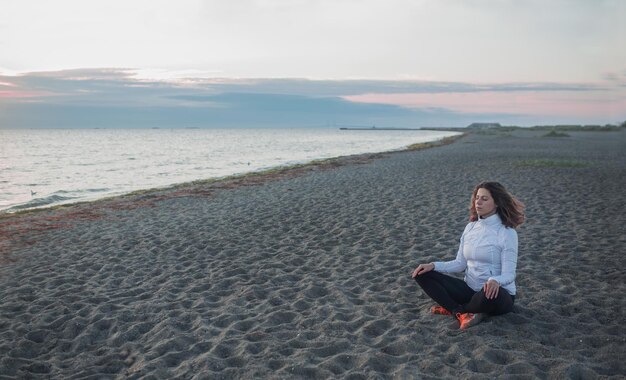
[459, 263]
[508, 258]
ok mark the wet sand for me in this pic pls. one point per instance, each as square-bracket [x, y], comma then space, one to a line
[307, 274]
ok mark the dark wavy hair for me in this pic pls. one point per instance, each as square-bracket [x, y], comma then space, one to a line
[510, 209]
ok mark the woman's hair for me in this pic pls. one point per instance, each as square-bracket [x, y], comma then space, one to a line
[511, 210]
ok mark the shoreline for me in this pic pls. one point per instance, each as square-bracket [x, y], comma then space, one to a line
[307, 275]
[258, 176]
[43, 203]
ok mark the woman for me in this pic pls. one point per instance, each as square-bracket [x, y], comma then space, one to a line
[488, 255]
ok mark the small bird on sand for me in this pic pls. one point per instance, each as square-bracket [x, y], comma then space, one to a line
[32, 193]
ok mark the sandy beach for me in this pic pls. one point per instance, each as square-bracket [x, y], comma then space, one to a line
[307, 273]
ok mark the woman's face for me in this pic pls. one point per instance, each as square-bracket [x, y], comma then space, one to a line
[484, 203]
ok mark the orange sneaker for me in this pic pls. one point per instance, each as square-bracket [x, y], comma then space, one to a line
[468, 320]
[440, 310]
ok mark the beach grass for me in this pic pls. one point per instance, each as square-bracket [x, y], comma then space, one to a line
[551, 163]
[556, 134]
[432, 144]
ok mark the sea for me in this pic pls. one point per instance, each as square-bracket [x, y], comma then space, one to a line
[48, 167]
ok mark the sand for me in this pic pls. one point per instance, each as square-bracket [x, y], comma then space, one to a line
[308, 274]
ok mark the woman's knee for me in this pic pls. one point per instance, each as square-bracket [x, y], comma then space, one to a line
[501, 304]
[504, 302]
[424, 277]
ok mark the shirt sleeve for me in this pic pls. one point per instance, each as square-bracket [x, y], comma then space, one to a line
[457, 265]
[508, 258]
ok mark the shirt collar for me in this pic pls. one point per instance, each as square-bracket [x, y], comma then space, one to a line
[492, 220]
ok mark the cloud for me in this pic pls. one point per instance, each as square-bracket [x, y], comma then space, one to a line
[356, 87]
[127, 83]
[448, 40]
[120, 97]
[616, 78]
[581, 105]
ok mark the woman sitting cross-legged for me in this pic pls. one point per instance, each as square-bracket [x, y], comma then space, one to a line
[488, 255]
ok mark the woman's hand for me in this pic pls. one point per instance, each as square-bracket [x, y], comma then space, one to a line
[423, 268]
[491, 289]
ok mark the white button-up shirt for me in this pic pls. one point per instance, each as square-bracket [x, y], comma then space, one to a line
[488, 250]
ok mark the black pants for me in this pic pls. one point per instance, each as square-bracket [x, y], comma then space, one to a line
[457, 297]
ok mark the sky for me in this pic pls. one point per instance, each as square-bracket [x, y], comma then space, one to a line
[403, 63]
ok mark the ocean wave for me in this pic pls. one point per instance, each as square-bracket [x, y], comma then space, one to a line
[40, 202]
[81, 191]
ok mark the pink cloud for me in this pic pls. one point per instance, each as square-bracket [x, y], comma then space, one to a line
[22, 94]
[536, 103]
